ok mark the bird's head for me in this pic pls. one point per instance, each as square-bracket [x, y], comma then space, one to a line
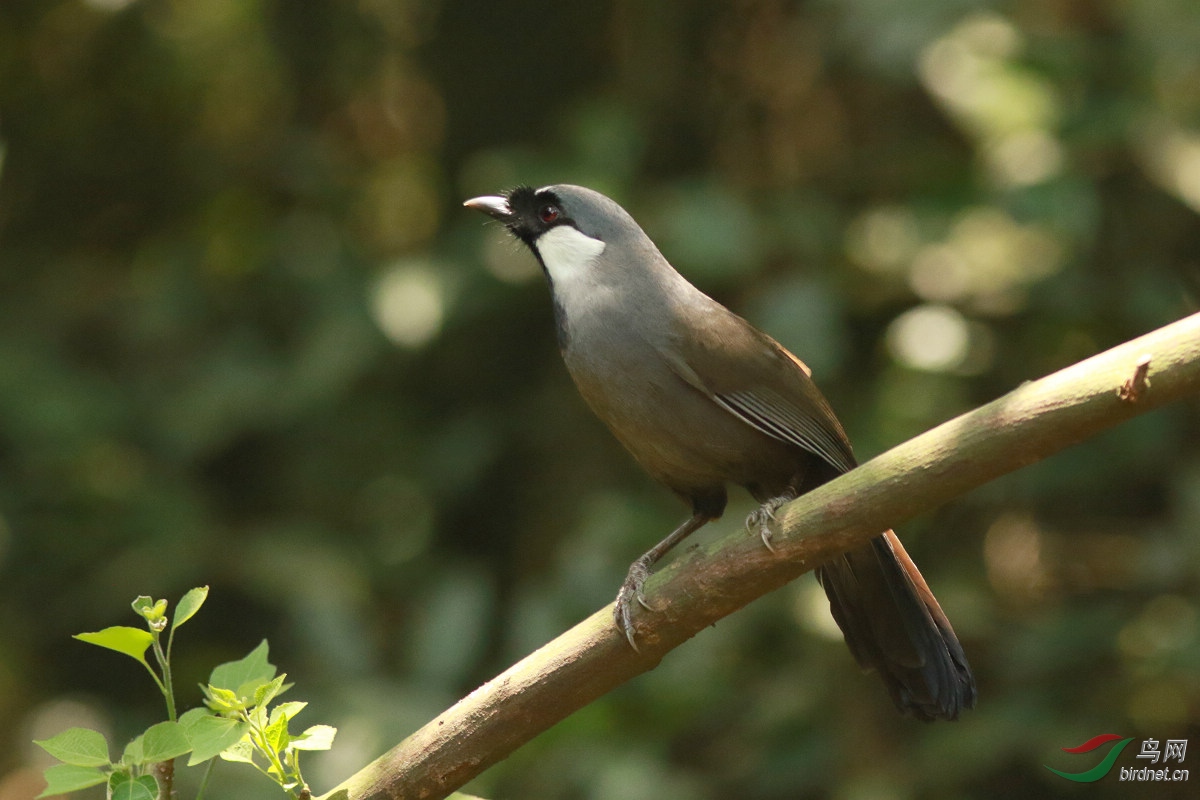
[568, 228]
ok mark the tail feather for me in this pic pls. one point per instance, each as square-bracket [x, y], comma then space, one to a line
[893, 625]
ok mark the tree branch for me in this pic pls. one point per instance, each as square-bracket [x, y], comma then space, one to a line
[705, 584]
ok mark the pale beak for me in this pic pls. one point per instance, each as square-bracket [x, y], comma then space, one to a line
[492, 205]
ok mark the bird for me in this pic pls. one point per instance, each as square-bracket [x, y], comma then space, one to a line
[702, 400]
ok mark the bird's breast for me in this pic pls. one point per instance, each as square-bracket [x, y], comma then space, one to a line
[674, 431]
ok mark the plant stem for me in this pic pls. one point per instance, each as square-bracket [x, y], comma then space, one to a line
[167, 686]
[164, 772]
[212, 762]
[154, 675]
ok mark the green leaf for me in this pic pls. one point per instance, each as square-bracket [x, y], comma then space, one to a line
[142, 604]
[277, 735]
[188, 605]
[163, 742]
[221, 699]
[318, 737]
[130, 641]
[267, 692]
[133, 753]
[122, 786]
[209, 735]
[252, 671]
[260, 694]
[65, 778]
[223, 702]
[287, 710]
[189, 717]
[242, 752]
[79, 747]
[151, 610]
[259, 717]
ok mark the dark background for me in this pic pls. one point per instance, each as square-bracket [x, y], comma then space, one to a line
[249, 338]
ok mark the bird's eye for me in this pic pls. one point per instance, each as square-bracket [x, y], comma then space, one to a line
[548, 213]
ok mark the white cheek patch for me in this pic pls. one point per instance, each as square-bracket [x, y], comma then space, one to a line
[568, 256]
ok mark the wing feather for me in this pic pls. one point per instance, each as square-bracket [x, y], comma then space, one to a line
[756, 379]
[776, 417]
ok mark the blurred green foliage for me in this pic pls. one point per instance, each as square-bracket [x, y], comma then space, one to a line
[248, 338]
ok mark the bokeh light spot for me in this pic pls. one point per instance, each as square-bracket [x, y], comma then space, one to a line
[408, 304]
[931, 337]
[109, 5]
[810, 607]
[1013, 556]
[883, 239]
[1172, 158]
[507, 260]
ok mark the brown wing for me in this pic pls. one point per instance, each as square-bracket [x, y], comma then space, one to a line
[754, 378]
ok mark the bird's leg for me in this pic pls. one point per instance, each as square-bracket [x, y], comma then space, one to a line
[762, 517]
[639, 571]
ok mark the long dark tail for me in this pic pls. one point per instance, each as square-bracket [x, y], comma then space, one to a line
[894, 625]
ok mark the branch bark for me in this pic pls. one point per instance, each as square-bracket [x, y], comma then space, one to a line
[705, 584]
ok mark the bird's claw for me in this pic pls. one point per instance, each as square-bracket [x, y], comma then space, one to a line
[760, 519]
[631, 590]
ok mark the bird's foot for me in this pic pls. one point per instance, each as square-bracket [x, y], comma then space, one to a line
[760, 519]
[631, 590]
[639, 571]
